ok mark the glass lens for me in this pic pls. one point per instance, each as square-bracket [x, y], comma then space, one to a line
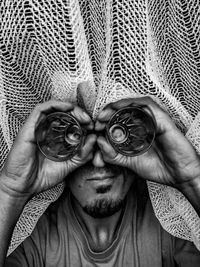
[118, 133]
[59, 136]
[73, 135]
[131, 130]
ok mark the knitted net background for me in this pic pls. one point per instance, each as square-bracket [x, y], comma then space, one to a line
[117, 49]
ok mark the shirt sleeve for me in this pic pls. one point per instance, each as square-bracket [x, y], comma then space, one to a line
[17, 258]
[30, 252]
[186, 254]
[33, 251]
[26, 255]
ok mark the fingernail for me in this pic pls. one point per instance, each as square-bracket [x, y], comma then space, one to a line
[100, 145]
[102, 114]
[97, 124]
[86, 116]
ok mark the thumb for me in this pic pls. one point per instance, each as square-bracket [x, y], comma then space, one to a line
[108, 152]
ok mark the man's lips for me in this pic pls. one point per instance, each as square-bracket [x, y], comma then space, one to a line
[101, 178]
[99, 181]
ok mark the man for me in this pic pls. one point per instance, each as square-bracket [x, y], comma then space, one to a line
[104, 217]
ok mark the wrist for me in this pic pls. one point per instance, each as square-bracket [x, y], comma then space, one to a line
[193, 184]
[12, 196]
[13, 189]
[13, 201]
[191, 190]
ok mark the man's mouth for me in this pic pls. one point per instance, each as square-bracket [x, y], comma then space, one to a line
[101, 178]
[103, 189]
[100, 173]
[102, 184]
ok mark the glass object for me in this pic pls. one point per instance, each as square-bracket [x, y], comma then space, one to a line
[59, 136]
[131, 130]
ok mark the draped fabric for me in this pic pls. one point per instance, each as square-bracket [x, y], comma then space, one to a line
[119, 49]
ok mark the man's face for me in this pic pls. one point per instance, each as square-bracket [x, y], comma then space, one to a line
[100, 191]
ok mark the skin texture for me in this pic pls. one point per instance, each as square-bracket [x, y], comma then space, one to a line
[98, 198]
[171, 161]
[27, 171]
[92, 185]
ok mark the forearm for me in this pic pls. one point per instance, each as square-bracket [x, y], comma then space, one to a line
[10, 210]
[191, 190]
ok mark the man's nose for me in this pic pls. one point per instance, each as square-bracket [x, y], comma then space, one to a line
[97, 160]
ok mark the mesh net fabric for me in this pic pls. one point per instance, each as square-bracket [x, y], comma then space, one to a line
[119, 49]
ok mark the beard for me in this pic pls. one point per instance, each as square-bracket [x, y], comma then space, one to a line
[102, 208]
[102, 204]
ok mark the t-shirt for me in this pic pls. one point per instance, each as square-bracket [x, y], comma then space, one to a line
[59, 240]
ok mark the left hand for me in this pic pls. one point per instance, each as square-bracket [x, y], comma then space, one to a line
[171, 160]
[27, 171]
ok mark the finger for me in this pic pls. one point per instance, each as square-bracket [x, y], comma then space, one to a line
[107, 150]
[121, 103]
[41, 120]
[105, 114]
[163, 121]
[82, 88]
[100, 126]
[173, 145]
[88, 146]
[82, 117]
[139, 101]
[111, 108]
[52, 106]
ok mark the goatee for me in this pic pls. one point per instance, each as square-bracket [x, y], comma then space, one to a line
[103, 208]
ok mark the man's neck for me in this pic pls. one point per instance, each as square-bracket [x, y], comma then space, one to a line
[100, 232]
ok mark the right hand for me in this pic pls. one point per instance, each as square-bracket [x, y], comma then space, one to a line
[27, 171]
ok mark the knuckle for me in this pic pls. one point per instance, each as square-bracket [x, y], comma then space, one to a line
[148, 100]
[123, 101]
[37, 109]
[109, 105]
[77, 109]
[38, 106]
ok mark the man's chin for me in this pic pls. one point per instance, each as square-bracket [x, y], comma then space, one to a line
[102, 208]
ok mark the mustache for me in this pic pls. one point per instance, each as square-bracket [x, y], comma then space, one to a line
[109, 169]
[89, 170]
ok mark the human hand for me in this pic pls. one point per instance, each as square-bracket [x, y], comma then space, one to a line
[27, 171]
[171, 160]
